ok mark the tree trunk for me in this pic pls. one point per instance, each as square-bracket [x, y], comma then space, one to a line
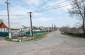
[84, 23]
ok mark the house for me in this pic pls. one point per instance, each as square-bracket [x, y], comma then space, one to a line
[46, 29]
[3, 27]
[36, 28]
[15, 30]
[25, 29]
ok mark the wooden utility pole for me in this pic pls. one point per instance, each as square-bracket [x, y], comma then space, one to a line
[9, 29]
[31, 33]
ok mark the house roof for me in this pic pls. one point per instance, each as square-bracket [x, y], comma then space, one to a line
[2, 25]
[0, 21]
[14, 29]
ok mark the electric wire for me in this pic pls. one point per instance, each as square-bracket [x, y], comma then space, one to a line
[39, 22]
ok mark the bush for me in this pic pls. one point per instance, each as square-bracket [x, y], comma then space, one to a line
[75, 34]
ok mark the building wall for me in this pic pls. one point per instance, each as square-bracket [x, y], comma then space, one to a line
[15, 30]
[3, 29]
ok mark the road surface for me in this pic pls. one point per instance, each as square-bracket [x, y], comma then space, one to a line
[54, 44]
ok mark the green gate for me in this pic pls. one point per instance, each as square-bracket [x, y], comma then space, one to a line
[3, 34]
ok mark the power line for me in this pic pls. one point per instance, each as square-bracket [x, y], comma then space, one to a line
[54, 7]
[37, 11]
[40, 22]
[63, 3]
[43, 4]
[14, 15]
[16, 8]
[59, 4]
[14, 11]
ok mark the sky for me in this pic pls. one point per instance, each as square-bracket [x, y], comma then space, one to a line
[44, 13]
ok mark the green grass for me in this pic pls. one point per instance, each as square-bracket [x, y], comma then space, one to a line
[39, 35]
[11, 39]
[36, 36]
[7, 39]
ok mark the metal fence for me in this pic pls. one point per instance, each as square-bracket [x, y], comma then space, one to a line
[3, 34]
[17, 34]
[34, 32]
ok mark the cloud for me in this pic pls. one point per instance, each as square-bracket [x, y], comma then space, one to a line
[2, 1]
[14, 20]
[43, 19]
[34, 2]
[63, 4]
[17, 20]
[21, 8]
[67, 6]
[18, 10]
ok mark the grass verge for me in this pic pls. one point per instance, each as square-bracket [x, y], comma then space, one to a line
[35, 36]
[7, 39]
[39, 35]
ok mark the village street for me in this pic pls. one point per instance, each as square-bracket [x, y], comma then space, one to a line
[54, 44]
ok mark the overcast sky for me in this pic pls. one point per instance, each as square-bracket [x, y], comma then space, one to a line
[44, 13]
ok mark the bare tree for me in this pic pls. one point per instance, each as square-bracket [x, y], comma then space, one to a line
[78, 10]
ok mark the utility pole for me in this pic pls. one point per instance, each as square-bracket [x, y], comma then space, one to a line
[31, 33]
[84, 22]
[9, 29]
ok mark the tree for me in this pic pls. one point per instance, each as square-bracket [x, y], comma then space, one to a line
[78, 10]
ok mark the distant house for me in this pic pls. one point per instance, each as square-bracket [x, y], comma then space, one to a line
[15, 30]
[46, 29]
[3, 27]
[36, 28]
[25, 29]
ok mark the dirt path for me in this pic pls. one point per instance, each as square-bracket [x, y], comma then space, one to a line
[54, 44]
